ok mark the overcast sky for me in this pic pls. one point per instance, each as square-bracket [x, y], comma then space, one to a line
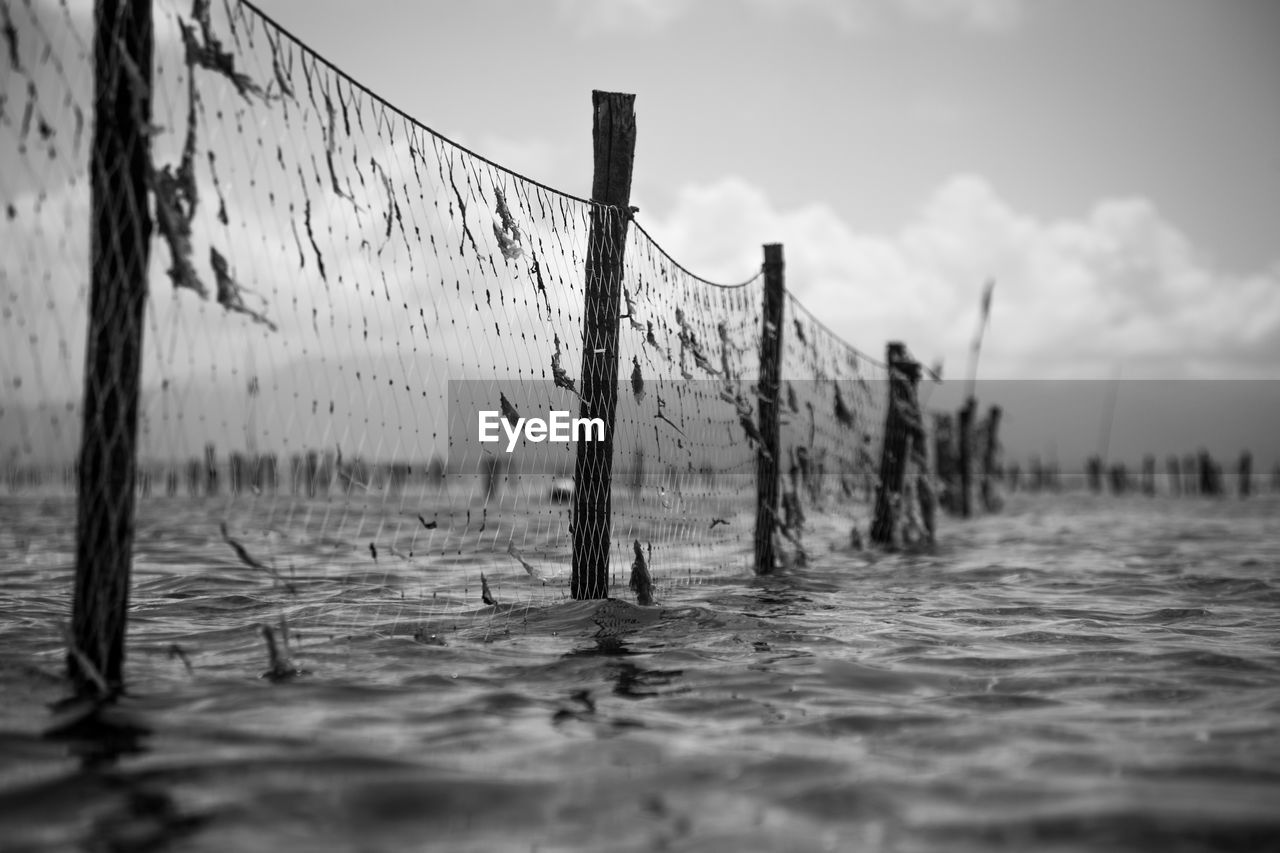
[1115, 166]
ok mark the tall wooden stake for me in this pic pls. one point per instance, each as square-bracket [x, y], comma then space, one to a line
[768, 388]
[944, 460]
[120, 241]
[967, 413]
[897, 444]
[990, 502]
[614, 135]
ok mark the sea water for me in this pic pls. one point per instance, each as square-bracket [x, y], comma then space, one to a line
[1077, 672]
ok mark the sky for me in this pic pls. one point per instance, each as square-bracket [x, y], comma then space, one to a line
[1113, 166]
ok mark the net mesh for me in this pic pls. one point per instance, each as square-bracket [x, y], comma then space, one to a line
[833, 415]
[332, 285]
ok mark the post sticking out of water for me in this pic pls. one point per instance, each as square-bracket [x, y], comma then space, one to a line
[120, 239]
[898, 441]
[614, 137]
[967, 413]
[944, 461]
[1244, 474]
[769, 388]
[990, 454]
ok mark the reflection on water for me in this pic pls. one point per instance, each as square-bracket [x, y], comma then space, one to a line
[1076, 674]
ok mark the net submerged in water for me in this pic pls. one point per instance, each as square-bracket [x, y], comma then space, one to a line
[336, 291]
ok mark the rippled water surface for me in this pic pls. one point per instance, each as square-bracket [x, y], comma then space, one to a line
[1076, 673]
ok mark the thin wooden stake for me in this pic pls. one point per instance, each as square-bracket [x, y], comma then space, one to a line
[898, 437]
[944, 460]
[614, 136]
[967, 413]
[990, 502]
[769, 387]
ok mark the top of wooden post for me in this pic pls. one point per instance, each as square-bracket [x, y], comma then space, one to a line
[613, 134]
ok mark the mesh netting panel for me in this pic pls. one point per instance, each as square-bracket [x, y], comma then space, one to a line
[331, 286]
[45, 131]
[833, 411]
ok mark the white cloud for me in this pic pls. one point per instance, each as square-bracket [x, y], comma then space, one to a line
[1074, 297]
[853, 16]
[981, 15]
[636, 16]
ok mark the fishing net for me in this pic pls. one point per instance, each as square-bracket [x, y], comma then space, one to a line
[336, 293]
[833, 406]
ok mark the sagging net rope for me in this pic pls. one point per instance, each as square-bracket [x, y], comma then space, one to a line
[335, 292]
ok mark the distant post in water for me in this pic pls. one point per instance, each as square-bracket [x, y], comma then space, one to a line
[944, 459]
[1245, 474]
[1093, 471]
[967, 412]
[120, 235]
[899, 435]
[211, 469]
[614, 137]
[990, 455]
[769, 388]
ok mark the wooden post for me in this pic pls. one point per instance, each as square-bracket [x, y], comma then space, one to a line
[925, 493]
[989, 454]
[768, 389]
[119, 253]
[1244, 474]
[211, 469]
[944, 462]
[614, 137]
[1173, 475]
[1093, 473]
[893, 454]
[967, 412]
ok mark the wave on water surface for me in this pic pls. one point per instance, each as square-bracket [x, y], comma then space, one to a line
[1031, 685]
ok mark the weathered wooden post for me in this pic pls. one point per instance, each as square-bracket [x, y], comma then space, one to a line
[1205, 469]
[313, 472]
[211, 469]
[925, 494]
[1093, 472]
[1173, 475]
[614, 138]
[944, 459]
[1244, 472]
[967, 412]
[768, 389]
[1118, 475]
[990, 454]
[899, 434]
[120, 238]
